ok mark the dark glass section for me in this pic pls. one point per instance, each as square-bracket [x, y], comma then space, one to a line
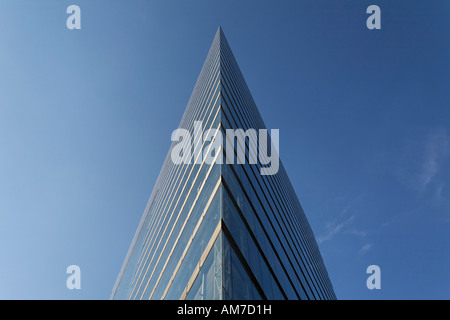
[237, 284]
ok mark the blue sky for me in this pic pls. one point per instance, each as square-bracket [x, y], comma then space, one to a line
[86, 117]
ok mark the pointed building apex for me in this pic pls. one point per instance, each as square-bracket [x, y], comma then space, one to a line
[221, 39]
[219, 32]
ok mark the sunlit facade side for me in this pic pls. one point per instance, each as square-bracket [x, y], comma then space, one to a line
[222, 231]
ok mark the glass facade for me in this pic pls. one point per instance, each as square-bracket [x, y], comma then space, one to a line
[222, 231]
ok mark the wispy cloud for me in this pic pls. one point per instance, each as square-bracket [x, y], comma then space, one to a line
[365, 248]
[438, 192]
[423, 161]
[436, 152]
[330, 233]
[344, 219]
[333, 228]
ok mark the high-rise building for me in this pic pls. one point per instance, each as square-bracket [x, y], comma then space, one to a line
[221, 230]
